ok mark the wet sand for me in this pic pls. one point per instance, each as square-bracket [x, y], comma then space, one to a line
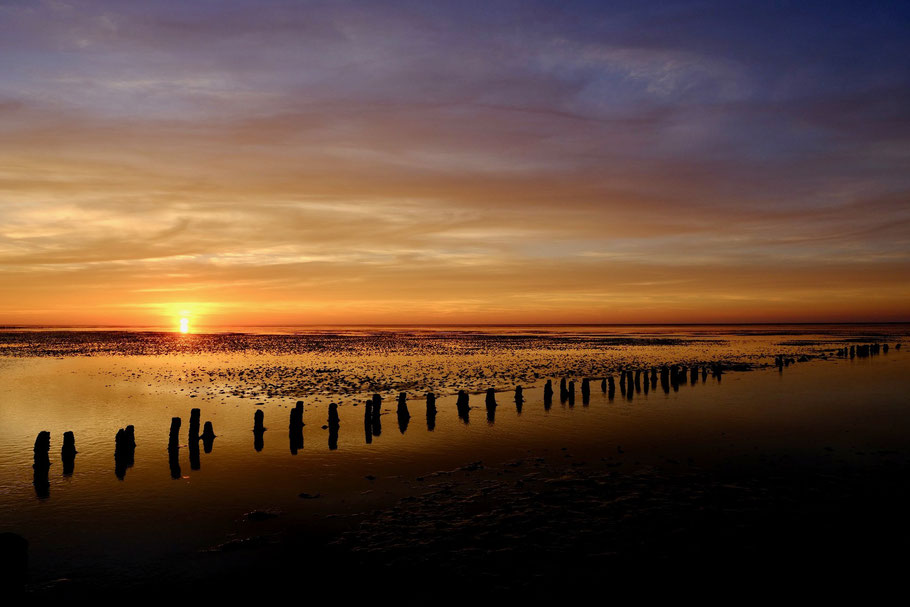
[760, 476]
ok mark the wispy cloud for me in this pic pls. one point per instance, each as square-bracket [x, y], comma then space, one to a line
[434, 161]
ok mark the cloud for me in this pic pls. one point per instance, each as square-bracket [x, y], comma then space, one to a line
[427, 160]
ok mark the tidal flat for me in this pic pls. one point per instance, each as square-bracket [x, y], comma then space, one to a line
[767, 446]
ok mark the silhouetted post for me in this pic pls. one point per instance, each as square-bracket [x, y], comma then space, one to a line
[693, 375]
[368, 422]
[563, 390]
[463, 406]
[654, 378]
[42, 464]
[403, 406]
[638, 380]
[519, 399]
[208, 437]
[377, 411]
[258, 430]
[665, 379]
[885, 348]
[124, 451]
[585, 391]
[431, 411]
[295, 428]
[194, 424]
[571, 393]
[852, 351]
[645, 382]
[404, 416]
[897, 346]
[622, 382]
[611, 388]
[13, 565]
[334, 424]
[42, 449]
[491, 405]
[603, 385]
[548, 394]
[68, 453]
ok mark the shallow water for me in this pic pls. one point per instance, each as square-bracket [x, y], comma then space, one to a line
[93, 525]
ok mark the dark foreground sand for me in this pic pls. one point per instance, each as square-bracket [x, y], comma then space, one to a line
[554, 529]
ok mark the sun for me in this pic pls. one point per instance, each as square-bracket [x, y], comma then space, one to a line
[184, 325]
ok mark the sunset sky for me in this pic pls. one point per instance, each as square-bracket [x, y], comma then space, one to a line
[262, 162]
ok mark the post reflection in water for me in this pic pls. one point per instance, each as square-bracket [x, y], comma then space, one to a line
[193, 446]
[173, 460]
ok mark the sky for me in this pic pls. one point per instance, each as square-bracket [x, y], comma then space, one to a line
[278, 162]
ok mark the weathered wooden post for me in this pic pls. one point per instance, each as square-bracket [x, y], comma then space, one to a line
[124, 451]
[404, 416]
[42, 465]
[68, 453]
[377, 412]
[403, 406]
[295, 428]
[368, 422]
[463, 406]
[431, 411]
[194, 425]
[259, 430]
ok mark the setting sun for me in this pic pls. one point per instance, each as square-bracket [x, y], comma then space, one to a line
[184, 325]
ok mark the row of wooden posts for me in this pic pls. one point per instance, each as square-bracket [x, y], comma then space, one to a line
[125, 439]
[630, 382]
